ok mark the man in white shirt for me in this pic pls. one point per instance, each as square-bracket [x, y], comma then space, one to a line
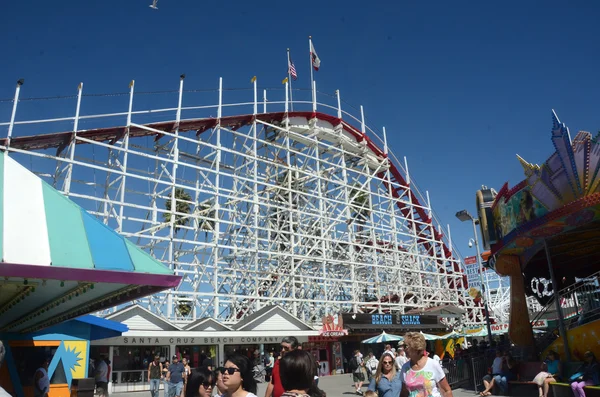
[371, 365]
[101, 376]
[401, 358]
[496, 369]
[388, 349]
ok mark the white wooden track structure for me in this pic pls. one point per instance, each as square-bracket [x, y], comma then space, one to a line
[253, 201]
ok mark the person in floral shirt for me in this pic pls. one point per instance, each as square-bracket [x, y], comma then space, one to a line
[422, 376]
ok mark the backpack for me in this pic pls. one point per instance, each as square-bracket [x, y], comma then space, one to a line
[354, 364]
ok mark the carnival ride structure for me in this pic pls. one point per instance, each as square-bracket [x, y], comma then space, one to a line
[252, 201]
[543, 232]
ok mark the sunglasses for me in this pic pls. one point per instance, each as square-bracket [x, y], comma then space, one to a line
[387, 363]
[286, 348]
[207, 385]
[229, 370]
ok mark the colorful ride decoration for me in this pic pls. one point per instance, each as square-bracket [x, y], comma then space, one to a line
[581, 339]
[558, 205]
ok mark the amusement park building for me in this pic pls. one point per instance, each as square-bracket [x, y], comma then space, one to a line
[253, 202]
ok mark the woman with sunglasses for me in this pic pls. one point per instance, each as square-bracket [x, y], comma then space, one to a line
[387, 381]
[237, 377]
[200, 383]
[421, 375]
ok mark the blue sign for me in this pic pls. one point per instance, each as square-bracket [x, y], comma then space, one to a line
[410, 320]
[381, 319]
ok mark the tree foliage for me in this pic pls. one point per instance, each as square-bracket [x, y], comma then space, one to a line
[182, 206]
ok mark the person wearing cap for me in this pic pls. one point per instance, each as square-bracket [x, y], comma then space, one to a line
[175, 378]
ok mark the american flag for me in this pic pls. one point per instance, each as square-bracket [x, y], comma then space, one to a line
[292, 70]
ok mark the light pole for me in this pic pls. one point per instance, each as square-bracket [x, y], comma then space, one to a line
[464, 216]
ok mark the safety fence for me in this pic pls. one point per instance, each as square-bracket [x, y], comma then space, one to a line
[467, 372]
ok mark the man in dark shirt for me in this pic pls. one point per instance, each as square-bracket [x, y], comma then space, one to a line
[175, 377]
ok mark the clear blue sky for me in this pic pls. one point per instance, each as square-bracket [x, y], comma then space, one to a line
[461, 86]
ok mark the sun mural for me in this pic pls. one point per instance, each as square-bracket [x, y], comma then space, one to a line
[72, 355]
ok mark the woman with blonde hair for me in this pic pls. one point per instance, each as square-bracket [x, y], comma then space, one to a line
[386, 381]
[422, 376]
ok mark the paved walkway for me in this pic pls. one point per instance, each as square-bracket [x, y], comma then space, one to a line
[334, 386]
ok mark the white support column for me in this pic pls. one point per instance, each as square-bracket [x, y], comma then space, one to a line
[392, 209]
[322, 217]
[175, 155]
[291, 176]
[339, 104]
[286, 97]
[432, 230]
[350, 233]
[411, 217]
[406, 170]
[14, 111]
[255, 96]
[363, 128]
[255, 201]
[67, 184]
[125, 158]
[111, 355]
[217, 231]
[264, 101]
[220, 359]
[314, 98]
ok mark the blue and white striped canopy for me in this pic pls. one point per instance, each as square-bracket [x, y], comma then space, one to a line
[383, 337]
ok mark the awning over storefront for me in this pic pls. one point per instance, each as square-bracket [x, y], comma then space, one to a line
[59, 262]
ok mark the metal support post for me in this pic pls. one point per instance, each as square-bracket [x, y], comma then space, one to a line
[483, 287]
[217, 231]
[314, 98]
[14, 111]
[362, 120]
[67, 185]
[561, 319]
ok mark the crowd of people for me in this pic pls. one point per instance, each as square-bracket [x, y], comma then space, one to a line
[505, 369]
[410, 370]
[293, 374]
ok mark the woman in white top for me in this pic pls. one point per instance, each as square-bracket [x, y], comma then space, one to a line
[421, 375]
[238, 378]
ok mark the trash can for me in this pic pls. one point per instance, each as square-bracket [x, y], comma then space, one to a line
[83, 387]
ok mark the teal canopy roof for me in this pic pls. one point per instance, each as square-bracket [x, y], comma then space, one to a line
[58, 261]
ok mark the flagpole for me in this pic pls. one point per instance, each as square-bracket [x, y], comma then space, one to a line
[311, 67]
[290, 80]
